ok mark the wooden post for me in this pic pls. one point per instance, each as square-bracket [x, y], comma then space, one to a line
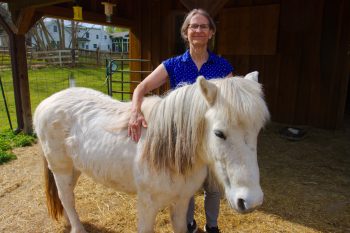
[135, 48]
[20, 82]
[98, 56]
[73, 57]
[60, 57]
[19, 76]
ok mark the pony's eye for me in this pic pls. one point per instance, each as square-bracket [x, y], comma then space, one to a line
[220, 134]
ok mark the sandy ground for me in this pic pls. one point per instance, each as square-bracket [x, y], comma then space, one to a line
[306, 186]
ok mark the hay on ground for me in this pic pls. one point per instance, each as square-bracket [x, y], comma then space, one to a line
[306, 186]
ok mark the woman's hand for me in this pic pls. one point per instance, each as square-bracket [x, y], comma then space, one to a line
[157, 78]
[134, 128]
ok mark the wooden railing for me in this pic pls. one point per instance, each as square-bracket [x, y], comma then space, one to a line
[71, 57]
[54, 57]
[63, 57]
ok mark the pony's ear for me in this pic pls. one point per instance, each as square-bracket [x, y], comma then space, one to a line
[208, 90]
[252, 76]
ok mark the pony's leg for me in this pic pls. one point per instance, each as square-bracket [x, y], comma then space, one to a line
[146, 211]
[178, 213]
[76, 175]
[65, 185]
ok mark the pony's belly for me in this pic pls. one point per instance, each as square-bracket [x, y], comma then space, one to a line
[108, 163]
[124, 184]
[117, 178]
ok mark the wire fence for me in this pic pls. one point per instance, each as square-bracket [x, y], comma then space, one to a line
[50, 71]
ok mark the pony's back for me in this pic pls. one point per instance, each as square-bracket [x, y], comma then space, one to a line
[77, 104]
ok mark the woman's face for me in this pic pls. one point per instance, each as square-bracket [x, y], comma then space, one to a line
[198, 31]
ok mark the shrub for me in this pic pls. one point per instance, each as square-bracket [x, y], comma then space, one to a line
[10, 140]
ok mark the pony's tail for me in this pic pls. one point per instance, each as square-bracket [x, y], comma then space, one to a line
[53, 202]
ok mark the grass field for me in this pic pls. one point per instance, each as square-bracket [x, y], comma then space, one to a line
[46, 81]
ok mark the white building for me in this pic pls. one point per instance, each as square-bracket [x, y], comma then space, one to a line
[120, 42]
[89, 37]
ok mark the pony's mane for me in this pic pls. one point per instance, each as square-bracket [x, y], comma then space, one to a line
[173, 128]
[176, 125]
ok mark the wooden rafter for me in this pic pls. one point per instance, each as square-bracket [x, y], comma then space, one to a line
[88, 16]
[212, 6]
[26, 18]
[18, 5]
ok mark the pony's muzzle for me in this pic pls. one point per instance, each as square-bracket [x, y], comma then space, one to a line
[243, 206]
[247, 203]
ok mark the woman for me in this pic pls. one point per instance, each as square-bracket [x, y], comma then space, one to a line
[197, 30]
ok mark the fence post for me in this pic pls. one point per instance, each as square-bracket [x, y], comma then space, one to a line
[60, 57]
[5, 103]
[73, 57]
[98, 55]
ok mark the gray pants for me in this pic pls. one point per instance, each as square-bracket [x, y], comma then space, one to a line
[211, 204]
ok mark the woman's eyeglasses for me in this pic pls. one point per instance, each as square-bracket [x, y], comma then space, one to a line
[203, 27]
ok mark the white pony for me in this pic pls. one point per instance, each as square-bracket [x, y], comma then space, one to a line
[211, 124]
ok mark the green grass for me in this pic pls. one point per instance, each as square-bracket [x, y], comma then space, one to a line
[6, 156]
[47, 81]
[5, 59]
[10, 140]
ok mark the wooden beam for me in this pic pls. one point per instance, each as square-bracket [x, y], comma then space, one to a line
[21, 83]
[213, 7]
[20, 4]
[88, 16]
[216, 7]
[25, 20]
[15, 81]
[135, 50]
[189, 4]
[20, 78]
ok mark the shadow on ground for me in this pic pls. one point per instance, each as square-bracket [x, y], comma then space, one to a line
[308, 181]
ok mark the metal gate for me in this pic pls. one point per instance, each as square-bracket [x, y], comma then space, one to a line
[118, 76]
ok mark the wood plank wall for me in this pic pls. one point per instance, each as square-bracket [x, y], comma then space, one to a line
[306, 79]
[157, 33]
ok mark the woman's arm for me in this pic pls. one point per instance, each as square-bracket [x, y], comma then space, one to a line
[229, 75]
[154, 80]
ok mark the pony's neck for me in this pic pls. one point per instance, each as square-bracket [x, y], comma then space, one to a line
[148, 104]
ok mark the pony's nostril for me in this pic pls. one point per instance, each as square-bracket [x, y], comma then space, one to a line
[241, 204]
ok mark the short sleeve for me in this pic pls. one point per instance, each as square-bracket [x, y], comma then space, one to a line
[169, 65]
[227, 68]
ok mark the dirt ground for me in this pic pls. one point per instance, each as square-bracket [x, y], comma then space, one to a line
[306, 186]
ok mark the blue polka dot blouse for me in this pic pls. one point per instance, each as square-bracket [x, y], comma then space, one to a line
[182, 69]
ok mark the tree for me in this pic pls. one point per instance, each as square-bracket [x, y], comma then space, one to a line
[74, 28]
[61, 32]
[42, 38]
[38, 41]
[51, 44]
